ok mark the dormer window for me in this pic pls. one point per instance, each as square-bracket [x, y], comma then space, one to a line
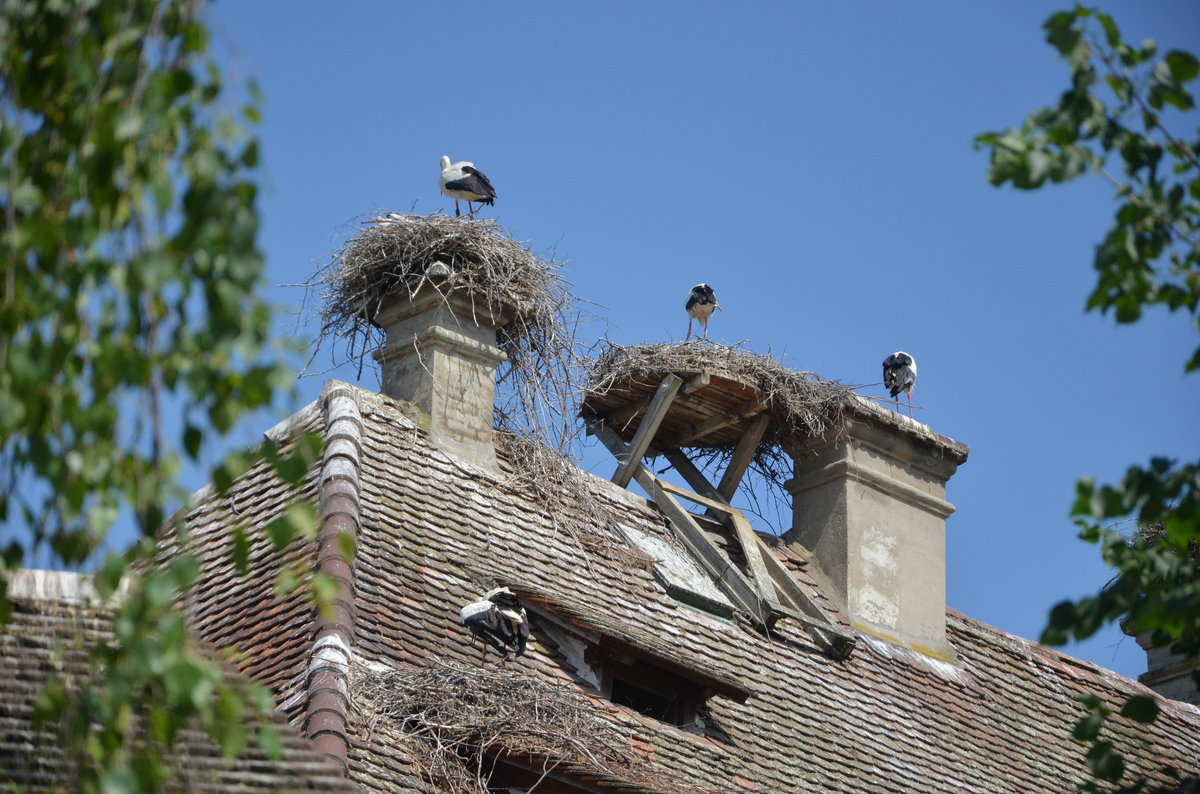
[655, 692]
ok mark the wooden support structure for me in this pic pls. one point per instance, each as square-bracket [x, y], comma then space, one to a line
[646, 430]
[716, 564]
[742, 455]
[746, 538]
[708, 410]
[721, 421]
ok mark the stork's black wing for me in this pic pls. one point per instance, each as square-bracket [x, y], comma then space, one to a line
[478, 184]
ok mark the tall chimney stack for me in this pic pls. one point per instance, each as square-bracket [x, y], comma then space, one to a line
[441, 357]
[869, 508]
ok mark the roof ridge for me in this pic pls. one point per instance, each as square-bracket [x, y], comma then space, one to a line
[327, 701]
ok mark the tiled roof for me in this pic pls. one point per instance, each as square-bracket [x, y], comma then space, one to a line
[434, 532]
[53, 628]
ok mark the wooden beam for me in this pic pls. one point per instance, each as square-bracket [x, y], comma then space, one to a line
[773, 577]
[690, 474]
[838, 642]
[746, 538]
[742, 455]
[623, 417]
[720, 421]
[696, 381]
[646, 430]
[703, 550]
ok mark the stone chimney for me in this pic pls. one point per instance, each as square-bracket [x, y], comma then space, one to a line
[1169, 674]
[441, 357]
[869, 508]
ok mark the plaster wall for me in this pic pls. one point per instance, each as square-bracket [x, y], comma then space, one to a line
[870, 509]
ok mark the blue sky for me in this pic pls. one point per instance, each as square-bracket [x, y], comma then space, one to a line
[811, 161]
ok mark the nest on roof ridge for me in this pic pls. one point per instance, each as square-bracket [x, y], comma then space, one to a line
[481, 261]
[461, 718]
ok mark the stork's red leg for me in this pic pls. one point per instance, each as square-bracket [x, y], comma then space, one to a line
[689, 334]
[908, 393]
[456, 210]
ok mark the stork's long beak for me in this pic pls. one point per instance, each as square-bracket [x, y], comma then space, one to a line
[719, 306]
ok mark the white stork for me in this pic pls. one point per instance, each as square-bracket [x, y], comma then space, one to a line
[499, 620]
[463, 181]
[701, 302]
[900, 375]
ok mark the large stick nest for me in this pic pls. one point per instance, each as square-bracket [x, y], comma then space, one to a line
[799, 403]
[463, 718]
[480, 260]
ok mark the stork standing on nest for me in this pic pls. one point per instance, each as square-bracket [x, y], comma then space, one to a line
[701, 302]
[499, 620]
[900, 375]
[463, 181]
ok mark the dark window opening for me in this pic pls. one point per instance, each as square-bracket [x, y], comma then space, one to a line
[660, 707]
[648, 689]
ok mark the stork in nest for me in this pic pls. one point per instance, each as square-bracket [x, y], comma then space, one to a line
[499, 620]
[462, 181]
[701, 303]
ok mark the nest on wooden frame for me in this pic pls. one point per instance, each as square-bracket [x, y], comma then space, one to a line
[800, 404]
[462, 719]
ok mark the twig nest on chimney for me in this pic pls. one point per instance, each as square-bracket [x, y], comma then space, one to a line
[479, 259]
[407, 252]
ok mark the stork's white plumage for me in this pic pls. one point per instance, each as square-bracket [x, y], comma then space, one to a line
[462, 181]
[701, 303]
[499, 620]
[900, 375]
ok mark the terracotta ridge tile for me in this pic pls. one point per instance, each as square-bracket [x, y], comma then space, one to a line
[327, 696]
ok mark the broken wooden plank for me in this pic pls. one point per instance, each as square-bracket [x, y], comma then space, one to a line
[840, 642]
[759, 556]
[746, 538]
[731, 581]
[646, 430]
[742, 455]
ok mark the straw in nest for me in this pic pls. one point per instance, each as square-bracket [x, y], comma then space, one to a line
[478, 259]
[459, 715]
[799, 403]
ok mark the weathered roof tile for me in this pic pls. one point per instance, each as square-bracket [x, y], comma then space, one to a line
[434, 532]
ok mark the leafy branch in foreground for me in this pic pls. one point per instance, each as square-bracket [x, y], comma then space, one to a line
[1119, 109]
[130, 332]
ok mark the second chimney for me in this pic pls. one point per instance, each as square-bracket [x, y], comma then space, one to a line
[869, 508]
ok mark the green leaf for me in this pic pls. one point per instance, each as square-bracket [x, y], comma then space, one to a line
[270, 742]
[1182, 66]
[298, 521]
[1088, 728]
[1104, 762]
[239, 551]
[1140, 708]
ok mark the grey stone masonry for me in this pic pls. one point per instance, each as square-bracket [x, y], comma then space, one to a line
[441, 357]
[1169, 674]
[869, 504]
